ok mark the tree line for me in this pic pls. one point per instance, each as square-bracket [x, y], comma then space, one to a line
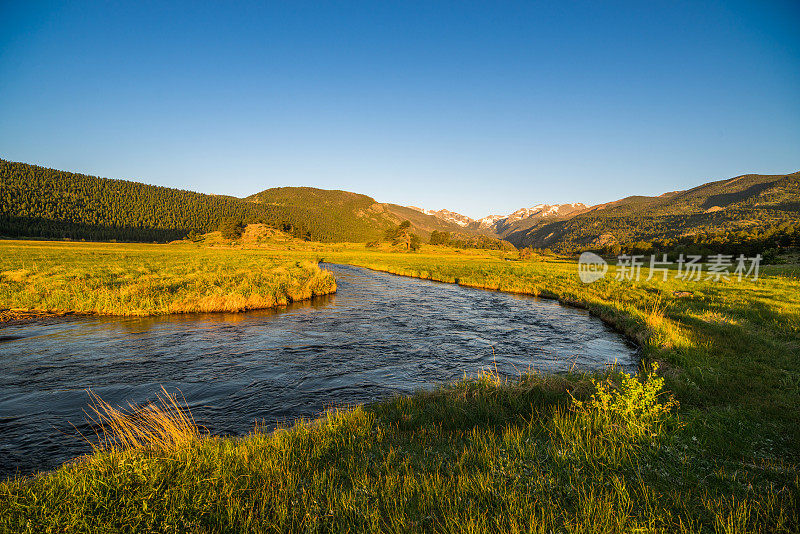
[768, 239]
[477, 242]
[40, 202]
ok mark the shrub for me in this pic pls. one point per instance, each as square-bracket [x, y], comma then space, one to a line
[631, 408]
[232, 228]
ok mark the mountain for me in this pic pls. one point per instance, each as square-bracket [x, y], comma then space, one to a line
[502, 225]
[424, 223]
[525, 218]
[737, 192]
[41, 202]
[449, 216]
[732, 209]
[744, 204]
[489, 221]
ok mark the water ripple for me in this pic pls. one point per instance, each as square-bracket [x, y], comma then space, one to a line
[379, 335]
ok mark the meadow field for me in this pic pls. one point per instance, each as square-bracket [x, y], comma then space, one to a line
[133, 279]
[706, 438]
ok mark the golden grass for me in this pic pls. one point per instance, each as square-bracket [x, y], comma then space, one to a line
[116, 279]
[162, 425]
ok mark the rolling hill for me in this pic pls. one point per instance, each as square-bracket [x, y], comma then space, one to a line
[747, 202]
[367, 218]
[41, 202]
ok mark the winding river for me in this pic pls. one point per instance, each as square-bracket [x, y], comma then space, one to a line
[379, 335]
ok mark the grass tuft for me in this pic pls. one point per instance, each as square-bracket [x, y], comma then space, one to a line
[163, 425]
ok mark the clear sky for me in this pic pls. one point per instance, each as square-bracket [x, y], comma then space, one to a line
[476, 107]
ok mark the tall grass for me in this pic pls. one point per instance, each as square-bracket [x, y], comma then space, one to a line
[151, 279]
[162, 425]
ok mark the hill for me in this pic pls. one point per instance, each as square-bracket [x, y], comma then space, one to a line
[363, 218]
[41, 202]
[735, 208]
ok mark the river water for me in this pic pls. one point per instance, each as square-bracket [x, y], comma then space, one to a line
[379, 335]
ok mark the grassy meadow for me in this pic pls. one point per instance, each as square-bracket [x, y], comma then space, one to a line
[133, 279]
[706, 438]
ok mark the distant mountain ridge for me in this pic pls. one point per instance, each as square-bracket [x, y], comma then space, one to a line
[447, 215]
[732, 204]
[40, 202]
[501, 225]
[749, 201]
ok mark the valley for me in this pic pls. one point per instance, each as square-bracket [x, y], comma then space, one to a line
[727, 354]
[760, 210]
[399, 267]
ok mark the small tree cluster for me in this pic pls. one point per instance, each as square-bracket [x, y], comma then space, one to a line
[402, 235]
[440, 238]
[232, 228]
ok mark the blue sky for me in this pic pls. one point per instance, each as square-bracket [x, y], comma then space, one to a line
[475, 107]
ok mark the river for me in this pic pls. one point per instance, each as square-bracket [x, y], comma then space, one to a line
[380, 335]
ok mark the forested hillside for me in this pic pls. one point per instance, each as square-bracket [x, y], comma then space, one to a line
[749, 208]
[358, 214]
[41, 202]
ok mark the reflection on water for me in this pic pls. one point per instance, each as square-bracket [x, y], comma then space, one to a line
[379, 335]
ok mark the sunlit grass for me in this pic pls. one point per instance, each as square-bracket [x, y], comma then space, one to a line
[487, 454]
[116, 279]
[163, 425]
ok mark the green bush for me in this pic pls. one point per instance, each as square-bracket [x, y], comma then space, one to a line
[232, 228]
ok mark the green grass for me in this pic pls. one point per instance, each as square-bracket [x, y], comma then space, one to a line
[115, 279]
[537, 453]
[482, 455]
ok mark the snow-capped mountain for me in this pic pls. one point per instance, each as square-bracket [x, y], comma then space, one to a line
[502, 224]
[451, 216]
[489, 220]
[545, 211]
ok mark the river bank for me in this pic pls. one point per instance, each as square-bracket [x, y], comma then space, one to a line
[380, 335]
